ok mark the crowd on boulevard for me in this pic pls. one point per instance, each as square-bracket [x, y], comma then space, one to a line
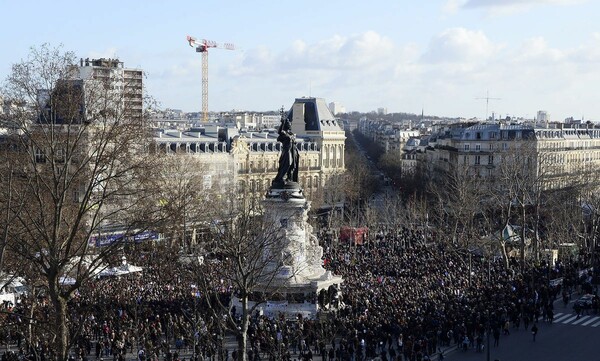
[404, 297]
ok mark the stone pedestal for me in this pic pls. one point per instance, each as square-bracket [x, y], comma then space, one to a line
[296, 257]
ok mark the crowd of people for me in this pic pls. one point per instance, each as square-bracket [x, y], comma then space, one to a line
[404, 297]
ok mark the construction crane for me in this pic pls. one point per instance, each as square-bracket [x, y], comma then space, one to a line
[487, 103]
[202, 46]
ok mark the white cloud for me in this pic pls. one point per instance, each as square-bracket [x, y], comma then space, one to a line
[460, 45]
[509, 3]
[536, 51]
[452, 6]
[336, 59]
[368, 70]
[503, 7]
[506, 7]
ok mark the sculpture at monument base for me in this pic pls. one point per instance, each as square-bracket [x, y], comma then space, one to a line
[296, 260]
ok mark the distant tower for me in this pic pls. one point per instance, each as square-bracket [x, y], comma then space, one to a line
[542, 117]
[336, 108]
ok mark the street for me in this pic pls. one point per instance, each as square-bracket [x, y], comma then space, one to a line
[566, 339]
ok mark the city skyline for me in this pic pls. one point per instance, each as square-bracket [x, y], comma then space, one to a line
[443, 56]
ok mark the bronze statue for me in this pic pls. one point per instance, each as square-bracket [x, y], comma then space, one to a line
[288, 161]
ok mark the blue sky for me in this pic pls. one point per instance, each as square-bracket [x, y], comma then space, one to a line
[402, 55]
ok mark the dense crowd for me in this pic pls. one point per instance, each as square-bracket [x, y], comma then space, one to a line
[404, 297]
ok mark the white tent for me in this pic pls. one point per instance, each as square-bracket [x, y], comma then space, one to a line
[123, 269]
[66, 281]
[11, 288]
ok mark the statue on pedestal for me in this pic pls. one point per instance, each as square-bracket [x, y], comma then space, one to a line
[288, 161]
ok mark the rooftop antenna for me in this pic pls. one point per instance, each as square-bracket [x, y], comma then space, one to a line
[487, 102]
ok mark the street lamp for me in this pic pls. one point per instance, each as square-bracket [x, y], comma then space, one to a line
[470, 268]
[548, 271]
[489, 321]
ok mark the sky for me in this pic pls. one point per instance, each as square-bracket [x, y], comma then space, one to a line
[440, 56]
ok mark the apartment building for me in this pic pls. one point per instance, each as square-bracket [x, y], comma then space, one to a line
[391, 136]
[559, 156]
[123, 86]
[248, 161]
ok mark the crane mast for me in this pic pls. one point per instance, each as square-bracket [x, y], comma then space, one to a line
[202, 46]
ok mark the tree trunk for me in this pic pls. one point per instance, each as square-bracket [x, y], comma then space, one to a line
[61, 329]
[30, 321]
[523, 234]
[242, 336]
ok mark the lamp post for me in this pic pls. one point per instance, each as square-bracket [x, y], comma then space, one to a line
[470, 268]
[548, 271]
[489, 321]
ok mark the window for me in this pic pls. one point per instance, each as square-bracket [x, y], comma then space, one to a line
[491, 147]
[478, 135]
[40, 156]
[490, 159]
[504, 146]
[477, 159]
[466, 147]
[60, 155]
[76, 196]
[477, 146]
[492, 135]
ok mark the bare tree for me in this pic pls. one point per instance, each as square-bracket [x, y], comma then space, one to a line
[78, 160]
[459, 197]
[519, 190]
[246, 266]
[184, 194]
[359, 185]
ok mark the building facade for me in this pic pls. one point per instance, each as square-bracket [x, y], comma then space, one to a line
[123, 86]
[392, 137]
[248, 161]
[558, 157]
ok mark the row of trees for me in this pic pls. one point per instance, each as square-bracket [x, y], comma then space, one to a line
[546, 203]
[75, 165]
[72, 162]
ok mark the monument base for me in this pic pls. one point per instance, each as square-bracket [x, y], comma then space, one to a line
[297, 299]
[299, 281]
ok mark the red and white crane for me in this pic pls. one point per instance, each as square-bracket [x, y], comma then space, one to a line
[202, 46]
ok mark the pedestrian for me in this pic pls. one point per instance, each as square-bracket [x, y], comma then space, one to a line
[534, 331]
[496, 336]
[577, 309]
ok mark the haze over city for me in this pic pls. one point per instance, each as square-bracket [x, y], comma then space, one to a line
[406, 56]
